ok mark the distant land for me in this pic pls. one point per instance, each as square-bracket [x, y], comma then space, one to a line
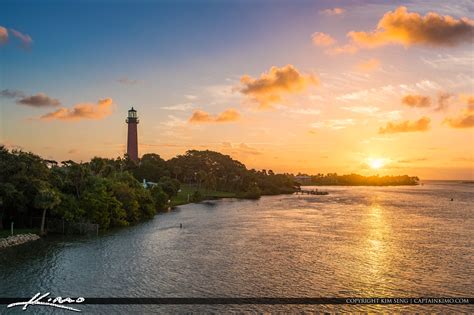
[332, 179]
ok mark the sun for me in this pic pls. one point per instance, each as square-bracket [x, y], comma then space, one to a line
[376, 163]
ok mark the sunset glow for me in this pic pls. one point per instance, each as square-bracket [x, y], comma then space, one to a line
[376, 163]
[302, 87]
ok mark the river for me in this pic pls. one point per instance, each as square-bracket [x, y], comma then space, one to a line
[407, 241]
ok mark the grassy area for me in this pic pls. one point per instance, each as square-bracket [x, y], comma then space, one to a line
[7, 233]
[182, 197]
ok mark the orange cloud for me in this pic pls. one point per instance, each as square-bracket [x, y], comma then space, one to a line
[3, 35]
[368, 65]
[469, 99]
[270, 87]
[416, 101]
[402, 27]
[322, 39]
[422, 124]
[102, 109]
[466, 119]
[200, 116]
[333, 11]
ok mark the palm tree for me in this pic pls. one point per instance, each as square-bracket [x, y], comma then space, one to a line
[46, 199]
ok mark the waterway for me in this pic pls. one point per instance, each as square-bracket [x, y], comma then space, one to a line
[407, 241]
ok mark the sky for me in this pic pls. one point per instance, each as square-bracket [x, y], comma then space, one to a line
[364, 87]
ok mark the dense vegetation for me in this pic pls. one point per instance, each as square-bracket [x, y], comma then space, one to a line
[110, 191]
[359, 180]
[214, 171]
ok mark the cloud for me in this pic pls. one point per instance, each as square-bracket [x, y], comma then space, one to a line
[173, 122]
[466, 118]
[240, 149]
[404, 28]
[414, 160]
[335, 124]
[306, 111]
[228, 115]
[368, 65]
[468, 99]
[246, 149]
[269, 89]
[11, 93]
[416, 101]
[461, 61]
[333, 11]
[427, 85]
[179, 107]
[444, 100]
[369, 110]
[39, 100]
[322, 39]
[102, 109]
[200, 116]
[386, 93]
[345, 49]
[25, 39]
[3, 35]
[422, 124]
[355, 96]
[127, 81]
[391, 115]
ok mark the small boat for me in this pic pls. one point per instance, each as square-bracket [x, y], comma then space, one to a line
[312, 192]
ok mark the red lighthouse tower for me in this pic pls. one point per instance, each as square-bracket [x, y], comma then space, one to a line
[132, 139]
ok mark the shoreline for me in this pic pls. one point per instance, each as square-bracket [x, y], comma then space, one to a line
[210, 198]
[187, 195]
[18, 239]
[343, 185]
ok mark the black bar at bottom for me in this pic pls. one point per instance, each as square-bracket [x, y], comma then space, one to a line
[259, 301]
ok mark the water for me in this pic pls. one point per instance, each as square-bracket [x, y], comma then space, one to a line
[357, 241]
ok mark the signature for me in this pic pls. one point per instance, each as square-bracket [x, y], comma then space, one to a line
[57, 302]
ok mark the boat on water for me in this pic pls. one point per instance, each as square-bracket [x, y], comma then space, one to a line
[312, 192]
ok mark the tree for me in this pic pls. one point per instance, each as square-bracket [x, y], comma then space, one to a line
[8, 195]
[101, 205]
[46, 199]
[69, 208]
[169, 186]
[160, 198]
[151, 167]
[252, 192]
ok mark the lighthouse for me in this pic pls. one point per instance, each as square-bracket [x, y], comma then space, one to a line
[132, 137]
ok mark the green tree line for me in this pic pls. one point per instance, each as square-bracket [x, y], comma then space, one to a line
[109, 192]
